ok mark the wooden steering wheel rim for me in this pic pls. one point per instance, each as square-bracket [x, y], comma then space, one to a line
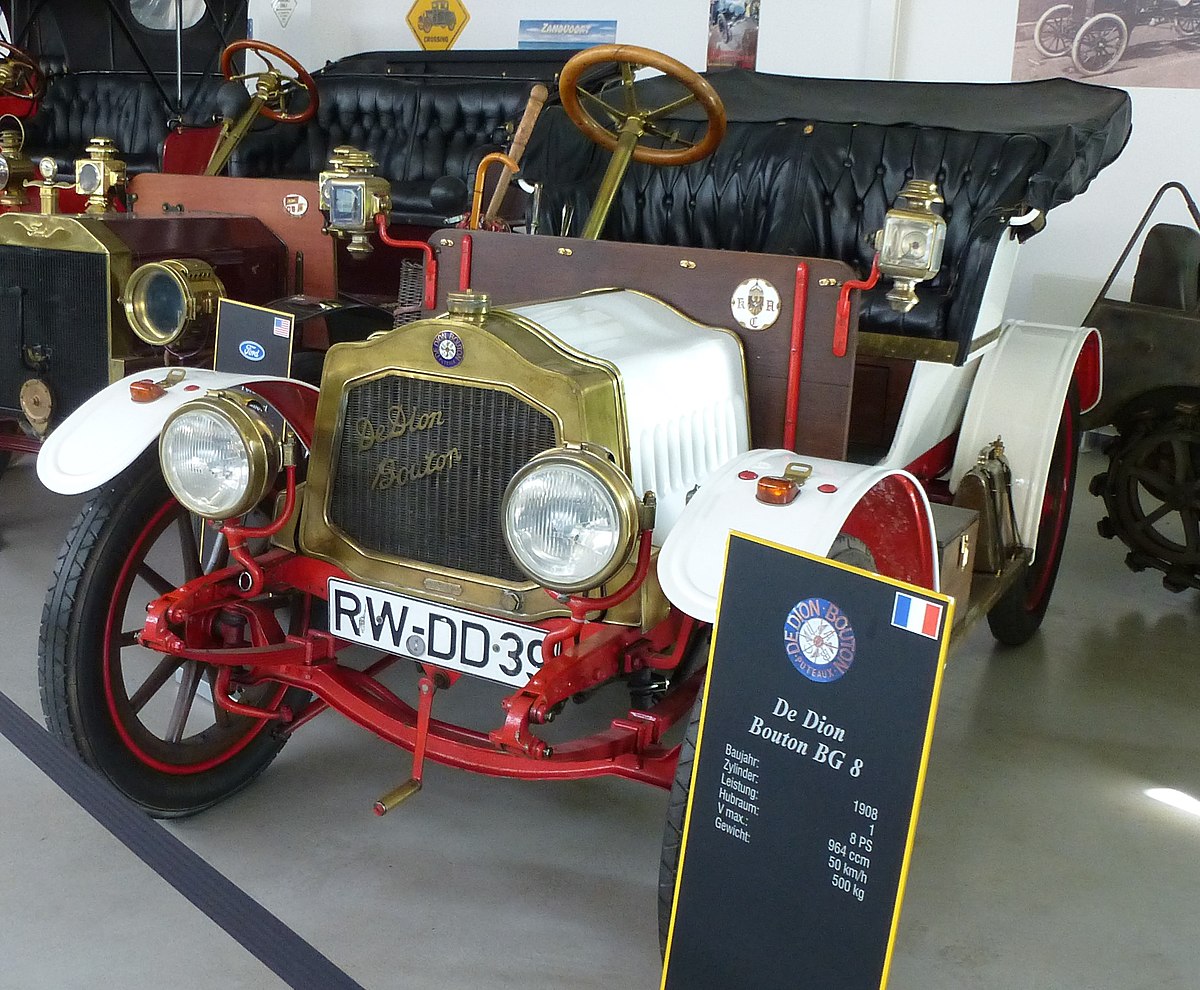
[302, 77]
[34, 81]
[699, 87]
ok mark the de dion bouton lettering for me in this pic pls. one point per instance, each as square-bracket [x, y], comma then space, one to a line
[400, 422]
[816, 724]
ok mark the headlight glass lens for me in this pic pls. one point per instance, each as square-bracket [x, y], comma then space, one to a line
[563, 525]
[206, 463]
[161, 304]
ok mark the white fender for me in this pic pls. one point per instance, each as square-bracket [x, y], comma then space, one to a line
[107, 433]
[1018, 396]
[691, 562]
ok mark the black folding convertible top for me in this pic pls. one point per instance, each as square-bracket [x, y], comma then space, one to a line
[1083, 127]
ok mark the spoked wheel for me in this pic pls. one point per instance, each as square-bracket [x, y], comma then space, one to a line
[1099, 44]
[1019, 613]
[1055, 31]
[1187, 21]
[144, 720]
[1152, 489]
[847, 550]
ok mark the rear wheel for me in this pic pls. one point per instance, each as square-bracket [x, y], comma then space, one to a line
[1099, 44]
[1019, 613]
[144, 720]
[1055, 30]
[1187, 21]
[845, 550]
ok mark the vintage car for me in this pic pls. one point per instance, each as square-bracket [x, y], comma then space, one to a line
[1152, 399]
[142, 212]
[534, 489]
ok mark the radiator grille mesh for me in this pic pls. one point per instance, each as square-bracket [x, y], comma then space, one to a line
[53, 324]
[422, 467]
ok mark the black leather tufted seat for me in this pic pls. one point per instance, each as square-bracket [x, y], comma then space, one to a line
[419, 130]
[127, 107]
[812, 188]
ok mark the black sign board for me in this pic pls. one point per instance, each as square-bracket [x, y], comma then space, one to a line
[813, 740]
[253, 340]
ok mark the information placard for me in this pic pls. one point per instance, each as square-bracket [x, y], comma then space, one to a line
[813, 740]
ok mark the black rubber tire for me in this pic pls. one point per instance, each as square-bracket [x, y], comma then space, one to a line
[846, 549]
[81, 668]
[1020, 611]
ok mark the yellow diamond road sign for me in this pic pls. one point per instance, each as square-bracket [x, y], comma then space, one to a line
[437, 23]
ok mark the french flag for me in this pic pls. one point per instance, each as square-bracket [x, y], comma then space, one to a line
[917, 615]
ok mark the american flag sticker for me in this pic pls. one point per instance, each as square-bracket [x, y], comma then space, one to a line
[283, 326]
[917, 615]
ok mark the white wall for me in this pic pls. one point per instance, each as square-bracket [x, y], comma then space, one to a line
[1059, 270]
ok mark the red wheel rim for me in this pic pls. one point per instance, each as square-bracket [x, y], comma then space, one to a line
[1052, 526]
[210, 746]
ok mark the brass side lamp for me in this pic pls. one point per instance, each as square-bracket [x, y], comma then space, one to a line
[351, 196]
[15, 168]
[911, 242]
[101, 175]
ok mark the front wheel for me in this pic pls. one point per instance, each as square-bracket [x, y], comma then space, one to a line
[144, 720]
[1055, 30]
[1019, 612]
[1099, 44]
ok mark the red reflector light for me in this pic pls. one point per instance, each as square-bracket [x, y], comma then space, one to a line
[747, 475]
[777, 491]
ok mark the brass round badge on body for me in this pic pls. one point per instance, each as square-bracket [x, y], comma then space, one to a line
[37, 404]
[755, 304]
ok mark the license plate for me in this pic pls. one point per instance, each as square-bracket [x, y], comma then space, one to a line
[506, 652]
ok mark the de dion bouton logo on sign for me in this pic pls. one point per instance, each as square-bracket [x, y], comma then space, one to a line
[819, 639]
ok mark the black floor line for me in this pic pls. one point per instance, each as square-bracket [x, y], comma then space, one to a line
[267, 938]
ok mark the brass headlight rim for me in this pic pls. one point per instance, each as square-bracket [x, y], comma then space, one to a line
[613, 479]
[263, 446]
[184, 273]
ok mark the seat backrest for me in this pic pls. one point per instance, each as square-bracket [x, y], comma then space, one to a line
[808, 188]
[1168, 269]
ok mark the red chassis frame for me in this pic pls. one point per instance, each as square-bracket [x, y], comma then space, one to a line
[183, 623]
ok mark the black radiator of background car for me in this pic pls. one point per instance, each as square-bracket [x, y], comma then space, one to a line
[422, 467]
[53, 324]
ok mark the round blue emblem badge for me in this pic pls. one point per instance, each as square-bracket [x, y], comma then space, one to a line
[819, 639]
[448, 349]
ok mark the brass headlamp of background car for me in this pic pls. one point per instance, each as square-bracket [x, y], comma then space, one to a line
[571, 519]
[100, 175]
[169, 301]
[15, 168]
[351, 196]
[220, 454]
[911, 241]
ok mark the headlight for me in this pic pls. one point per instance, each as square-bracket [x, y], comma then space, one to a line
[4, 171]
[219, 455]
[166, 300]
[570, 519]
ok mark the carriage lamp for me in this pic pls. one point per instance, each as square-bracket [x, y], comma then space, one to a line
[15, 168]
[911, 241]
[219, 454]
[100, 175]
[169, 301]
[351, 196]
[570, 519]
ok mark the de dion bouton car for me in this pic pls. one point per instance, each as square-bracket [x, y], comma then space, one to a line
[792, 327]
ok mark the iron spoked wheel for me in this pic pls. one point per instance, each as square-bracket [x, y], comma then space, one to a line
[1019, 612]
[1152, 489]
[144, 720]
[1099, 44]
[1055, 31]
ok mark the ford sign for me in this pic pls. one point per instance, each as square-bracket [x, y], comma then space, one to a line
[252, 350]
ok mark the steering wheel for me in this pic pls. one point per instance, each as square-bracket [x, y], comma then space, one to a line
[20, 76]
[630, 58]
[299, 77]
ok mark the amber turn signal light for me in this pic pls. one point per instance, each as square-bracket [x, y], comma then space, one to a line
[777, 491]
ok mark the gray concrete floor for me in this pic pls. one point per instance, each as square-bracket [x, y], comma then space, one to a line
[1039, 862]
